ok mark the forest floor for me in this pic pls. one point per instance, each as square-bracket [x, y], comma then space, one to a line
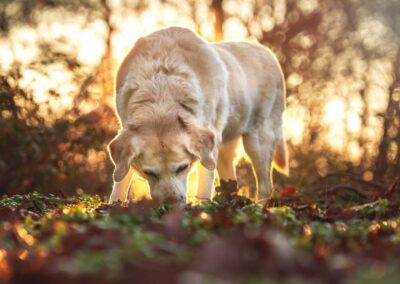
[337, 236]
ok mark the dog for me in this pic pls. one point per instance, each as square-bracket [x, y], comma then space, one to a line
[180, 99]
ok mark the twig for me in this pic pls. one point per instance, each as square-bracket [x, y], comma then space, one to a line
[353, 178]
[347, 187]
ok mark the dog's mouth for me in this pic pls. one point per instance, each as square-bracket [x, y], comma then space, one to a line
[171, 200]
[174, 200]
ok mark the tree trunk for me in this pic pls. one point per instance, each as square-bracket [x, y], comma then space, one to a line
[382, 164]
[218, 11]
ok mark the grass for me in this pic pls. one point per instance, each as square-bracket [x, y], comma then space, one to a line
[81, 239]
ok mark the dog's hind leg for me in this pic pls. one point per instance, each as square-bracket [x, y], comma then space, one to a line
[259, 146]
[120, 189]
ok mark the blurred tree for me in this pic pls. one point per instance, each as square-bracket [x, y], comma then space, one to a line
[43, 148]
[388, 159]
[326, 51]
[216, 6]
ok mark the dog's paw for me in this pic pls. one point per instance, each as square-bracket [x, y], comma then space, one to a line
[263, 201]
[197, 200]
[264, 197]
[115, 198]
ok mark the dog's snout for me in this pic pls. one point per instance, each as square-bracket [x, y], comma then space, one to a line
[173, 199]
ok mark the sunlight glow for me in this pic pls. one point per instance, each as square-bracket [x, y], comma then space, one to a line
[354, 151]
[5, 271]
[234, 30]
[204, 215]
[89, 41]
[192, 184]
[334, 110]
[334, 114]
[139, 188]
[353, 122]
[23, 43]
[24, 235]
[307, 230]
[6, 56]
[3, 254]
[294, 123]
[23, 255]
[122, 42]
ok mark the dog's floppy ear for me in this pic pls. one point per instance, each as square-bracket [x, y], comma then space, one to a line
[202, 144]
[122, 152]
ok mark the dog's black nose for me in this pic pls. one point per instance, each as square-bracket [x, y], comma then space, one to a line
[171, 200]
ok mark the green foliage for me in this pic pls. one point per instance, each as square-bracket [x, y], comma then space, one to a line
[106, 242]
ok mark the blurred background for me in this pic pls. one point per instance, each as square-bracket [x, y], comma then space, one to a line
[58, 59]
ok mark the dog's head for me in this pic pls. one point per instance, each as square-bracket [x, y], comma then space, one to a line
[163, 151]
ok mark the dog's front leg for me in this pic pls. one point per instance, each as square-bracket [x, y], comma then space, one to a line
[120, 189]
[205, 183]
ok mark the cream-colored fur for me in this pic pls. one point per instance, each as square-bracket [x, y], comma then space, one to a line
[180, 99]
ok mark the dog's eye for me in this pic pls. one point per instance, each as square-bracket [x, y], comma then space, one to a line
[151, 174]
[181, 168]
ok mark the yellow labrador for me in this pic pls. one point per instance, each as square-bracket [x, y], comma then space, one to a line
[180, 99]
